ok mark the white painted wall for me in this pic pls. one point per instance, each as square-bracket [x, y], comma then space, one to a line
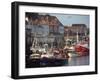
[5, 40]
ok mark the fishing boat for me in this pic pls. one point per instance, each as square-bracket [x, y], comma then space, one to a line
[82, 48]
[44, 57]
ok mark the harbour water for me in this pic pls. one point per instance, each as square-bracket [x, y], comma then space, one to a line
[73, 61]
[77, 61]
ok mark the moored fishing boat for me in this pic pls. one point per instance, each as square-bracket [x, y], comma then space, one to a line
[82, 49]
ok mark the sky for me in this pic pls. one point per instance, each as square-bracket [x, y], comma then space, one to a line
[69, 19]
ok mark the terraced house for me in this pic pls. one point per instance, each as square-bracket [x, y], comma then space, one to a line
[43, 29]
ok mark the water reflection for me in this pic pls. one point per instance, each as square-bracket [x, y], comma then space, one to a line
[76, 61]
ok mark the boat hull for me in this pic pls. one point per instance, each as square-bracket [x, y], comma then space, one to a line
[81, 51]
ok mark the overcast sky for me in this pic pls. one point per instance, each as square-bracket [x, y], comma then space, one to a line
[67, 19]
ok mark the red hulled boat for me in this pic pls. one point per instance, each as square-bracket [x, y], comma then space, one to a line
[82, 49]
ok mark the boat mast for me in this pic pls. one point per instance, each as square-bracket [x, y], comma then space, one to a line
[77, 37]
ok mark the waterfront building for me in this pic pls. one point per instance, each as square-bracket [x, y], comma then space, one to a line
[45, 29]
[71, 32]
